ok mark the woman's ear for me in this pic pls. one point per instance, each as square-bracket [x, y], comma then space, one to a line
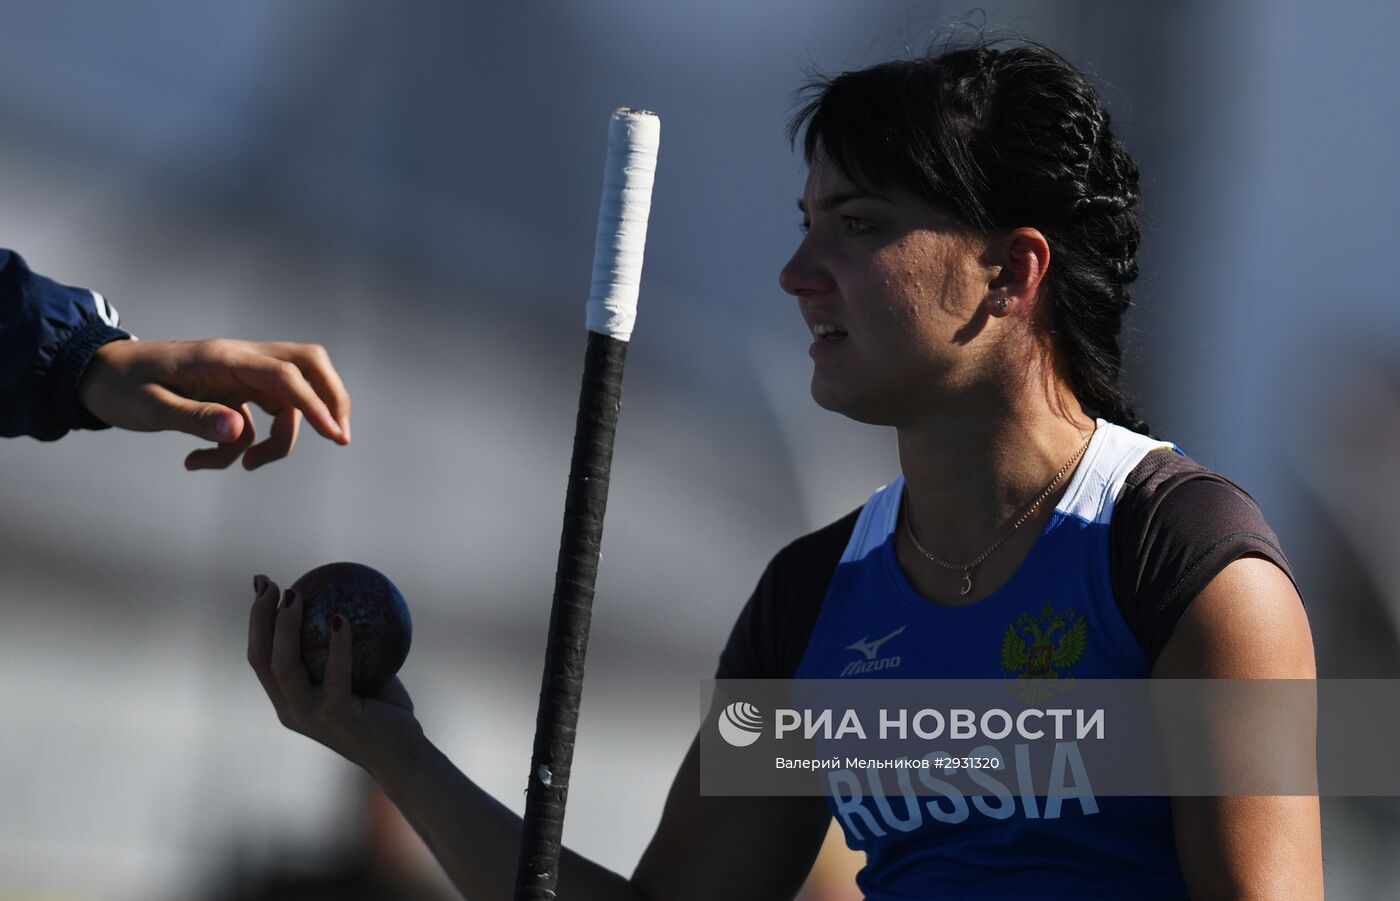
[1023, 258]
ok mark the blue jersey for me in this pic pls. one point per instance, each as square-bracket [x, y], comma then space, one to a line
[1056, 617]
[48, 334]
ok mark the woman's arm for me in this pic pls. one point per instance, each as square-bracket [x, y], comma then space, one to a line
[704, 848]
[476, 838]
[739, 849]
[736, 848]
[1247, 623]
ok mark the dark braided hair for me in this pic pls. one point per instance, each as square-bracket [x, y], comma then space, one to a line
[1003, 138]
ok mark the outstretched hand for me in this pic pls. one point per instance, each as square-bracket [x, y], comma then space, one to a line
[378, 732]
[204, 388]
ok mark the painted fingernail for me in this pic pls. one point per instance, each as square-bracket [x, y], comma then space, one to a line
[289, 599]
[337, 622]
[259, 584]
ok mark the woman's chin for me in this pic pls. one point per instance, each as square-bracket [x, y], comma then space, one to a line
[848, 403]
[827, 395]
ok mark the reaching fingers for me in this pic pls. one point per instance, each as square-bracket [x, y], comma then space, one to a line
[197, 386]
[315, 364]
[163, 410]
[279, 442]
[285, 380]
[287, 668]
[220, 457]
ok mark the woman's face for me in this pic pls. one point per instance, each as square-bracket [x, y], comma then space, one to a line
[893, 292]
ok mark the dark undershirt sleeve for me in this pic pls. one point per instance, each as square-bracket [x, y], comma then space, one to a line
[1175, 526]
[771, 634]
[750, 652]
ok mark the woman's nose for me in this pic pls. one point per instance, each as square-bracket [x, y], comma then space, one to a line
[805, 274]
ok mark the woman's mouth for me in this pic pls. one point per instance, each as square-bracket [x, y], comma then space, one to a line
[827, 337]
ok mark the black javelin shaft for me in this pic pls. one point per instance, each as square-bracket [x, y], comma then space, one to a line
[584, 506]
[632, 141]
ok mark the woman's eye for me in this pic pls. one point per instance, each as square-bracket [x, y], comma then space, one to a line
[849, 224]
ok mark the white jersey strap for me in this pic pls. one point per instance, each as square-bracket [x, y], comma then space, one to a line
[1113, 452]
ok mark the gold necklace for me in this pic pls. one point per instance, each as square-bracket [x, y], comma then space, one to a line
[967, 568]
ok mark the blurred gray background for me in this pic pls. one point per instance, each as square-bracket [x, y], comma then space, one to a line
[415, 186]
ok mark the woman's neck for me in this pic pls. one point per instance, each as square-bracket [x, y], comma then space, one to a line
[970, 474]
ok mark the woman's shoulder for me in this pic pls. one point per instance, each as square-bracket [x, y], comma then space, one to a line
[771, 632]
[817, 548]
[1175, 525]
[1167, 467]
[1169, 495]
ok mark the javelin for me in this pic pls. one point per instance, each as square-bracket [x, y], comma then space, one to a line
[633, 136]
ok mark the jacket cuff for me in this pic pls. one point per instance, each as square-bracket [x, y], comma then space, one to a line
[69, 366]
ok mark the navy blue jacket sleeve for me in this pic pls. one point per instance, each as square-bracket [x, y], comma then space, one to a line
[48, 334]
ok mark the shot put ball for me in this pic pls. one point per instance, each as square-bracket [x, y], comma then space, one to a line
[374, 612]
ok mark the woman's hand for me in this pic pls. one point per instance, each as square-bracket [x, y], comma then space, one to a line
[204, 388]
[379, 733]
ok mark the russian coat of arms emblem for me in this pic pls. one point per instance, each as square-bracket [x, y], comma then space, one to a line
[1043, 648]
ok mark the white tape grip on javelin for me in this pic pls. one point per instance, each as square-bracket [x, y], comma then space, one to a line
[633, 136]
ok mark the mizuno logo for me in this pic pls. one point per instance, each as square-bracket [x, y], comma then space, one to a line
[871, 648]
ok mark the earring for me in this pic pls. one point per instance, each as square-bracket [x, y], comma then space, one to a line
[1001, 304]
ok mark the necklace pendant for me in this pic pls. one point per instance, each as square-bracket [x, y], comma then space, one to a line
[967, 581]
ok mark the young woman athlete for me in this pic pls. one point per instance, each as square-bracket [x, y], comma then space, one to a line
[969, 240]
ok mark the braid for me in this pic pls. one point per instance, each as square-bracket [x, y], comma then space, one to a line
[1111, 175]
[1094, 237]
